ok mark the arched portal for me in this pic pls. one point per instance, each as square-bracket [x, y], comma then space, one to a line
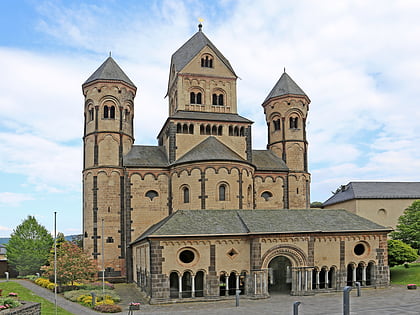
[280, 275]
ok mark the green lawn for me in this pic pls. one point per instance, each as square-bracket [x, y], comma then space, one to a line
[402, 275]
[47, 307]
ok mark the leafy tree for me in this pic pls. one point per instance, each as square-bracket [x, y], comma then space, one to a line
[29, 247]
[59, 240]
[399, 253]
[408, 228]
[72, 264]
[316, 204]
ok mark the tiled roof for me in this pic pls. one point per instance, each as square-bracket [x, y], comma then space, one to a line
[234, 222]
[146, 156]
[209, 116]
[285, 86]
[210, 149]
[266, 160]
[191, 48]
[375, 190]
[109, 70]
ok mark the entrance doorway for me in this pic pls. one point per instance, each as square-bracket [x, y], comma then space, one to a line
[280, 275]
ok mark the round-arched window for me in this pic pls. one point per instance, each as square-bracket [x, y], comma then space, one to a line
[187, 256]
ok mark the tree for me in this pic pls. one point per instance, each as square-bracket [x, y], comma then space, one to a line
[77, 239]
[72, 264]
[408, 228]
[316, 204]
[29, 247]
[399, 253]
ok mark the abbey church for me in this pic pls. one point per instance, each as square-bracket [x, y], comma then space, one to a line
[202, 214]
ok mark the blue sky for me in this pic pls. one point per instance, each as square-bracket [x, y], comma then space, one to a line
[358, 61]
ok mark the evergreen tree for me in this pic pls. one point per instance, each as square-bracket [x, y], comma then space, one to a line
[408, 228]
[29, 247]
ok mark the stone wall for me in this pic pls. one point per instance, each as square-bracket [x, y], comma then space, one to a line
[28, 308]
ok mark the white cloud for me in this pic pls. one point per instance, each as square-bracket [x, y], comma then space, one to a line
[356, 60]
[13, 199]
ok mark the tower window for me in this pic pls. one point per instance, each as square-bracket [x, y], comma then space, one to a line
[195, 98]
[293, 121]
[207, 62]
[109, 112]
[91, 115]
[218, 99]
[276, 124]
[110, 239]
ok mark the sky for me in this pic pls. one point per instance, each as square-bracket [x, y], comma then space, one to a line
[357, 60]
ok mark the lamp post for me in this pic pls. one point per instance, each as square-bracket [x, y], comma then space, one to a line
[103, 260]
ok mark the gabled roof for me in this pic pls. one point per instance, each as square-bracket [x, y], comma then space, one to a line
[285, 86]
[146, 156]
[266, 160]
[109, 70]
[210, 149]
[375, 190]
[192, 47]
[248, 222]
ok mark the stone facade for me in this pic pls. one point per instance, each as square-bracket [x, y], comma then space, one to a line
[204, 165]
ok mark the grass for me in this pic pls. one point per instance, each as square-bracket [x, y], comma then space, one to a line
[47, 307]
[402, 275]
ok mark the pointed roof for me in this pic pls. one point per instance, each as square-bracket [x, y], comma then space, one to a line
[192, 47]
[285, 86]
[210, 149]
[109, 70]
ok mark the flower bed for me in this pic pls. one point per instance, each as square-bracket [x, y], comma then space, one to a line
[411, 286]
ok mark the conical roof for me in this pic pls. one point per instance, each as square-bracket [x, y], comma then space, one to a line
[192, 47]
[285, 86]
[109, 70]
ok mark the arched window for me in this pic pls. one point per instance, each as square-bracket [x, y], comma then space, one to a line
[222, 192]
[266, 195]
[127, 115]
[242, 131]
[230, 131]
[192, 98]
[276, 124]
[214, 99]
[91, 115]
[191, 129]
[293, 121]
[236, 131]
[185, 128]
[178, 128]
[112, 112]
[207, 61]
[220, 131]
[152, 194]
[186, 194]
[106, 112]
[208, 130]
[214, 130]
[202, 131]
[198, 98]
[218, 99]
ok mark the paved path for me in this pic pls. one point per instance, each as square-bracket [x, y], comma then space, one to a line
[396, 300]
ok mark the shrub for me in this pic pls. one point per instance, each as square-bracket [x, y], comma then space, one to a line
[106, 301]
[105, 308]
[8, 302]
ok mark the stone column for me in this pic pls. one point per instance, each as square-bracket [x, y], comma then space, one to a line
[180, 287]
[326, 278]
[364, 275]
[353, 280]
[227, 285]
[317, 279]
[237, 282]
[193, 286]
